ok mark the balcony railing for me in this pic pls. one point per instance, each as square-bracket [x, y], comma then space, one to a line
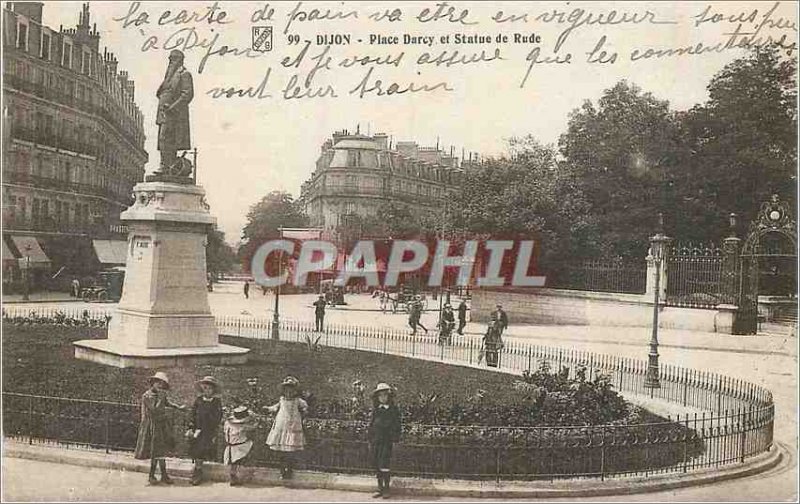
[345, 190]
[50, 139]
[63, 98]
[64, 185]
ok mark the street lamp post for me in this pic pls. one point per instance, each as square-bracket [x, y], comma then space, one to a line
[27, 279]
[276, 335]
[657, 251]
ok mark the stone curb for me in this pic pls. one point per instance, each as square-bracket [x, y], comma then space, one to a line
[261, 477]
[37, 301]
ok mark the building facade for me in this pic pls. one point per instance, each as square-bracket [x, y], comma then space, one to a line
[73, 146]
[356, 174]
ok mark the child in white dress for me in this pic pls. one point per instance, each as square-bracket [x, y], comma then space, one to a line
[286, 436]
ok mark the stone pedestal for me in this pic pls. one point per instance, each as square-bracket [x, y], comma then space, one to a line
[164, 317]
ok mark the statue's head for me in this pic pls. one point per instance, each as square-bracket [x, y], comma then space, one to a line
[175, 57]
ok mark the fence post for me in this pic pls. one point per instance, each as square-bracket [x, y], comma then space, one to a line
[385, 336]
[497, 465]
[108, 427]
[685, 387]
[686, 437]
[743, 435]
[529, 358]
[603, 454]
[30, 420]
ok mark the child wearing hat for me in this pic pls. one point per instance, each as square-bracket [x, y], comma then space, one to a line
[203, 425]
[155, 436]
[286, 436]
[237, 430]
[384, 430]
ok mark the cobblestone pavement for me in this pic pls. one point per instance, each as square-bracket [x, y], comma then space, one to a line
[28, 480]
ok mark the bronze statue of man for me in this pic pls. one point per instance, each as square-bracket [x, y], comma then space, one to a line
[174, 95]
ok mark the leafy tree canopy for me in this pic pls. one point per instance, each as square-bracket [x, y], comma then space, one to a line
[276, 209]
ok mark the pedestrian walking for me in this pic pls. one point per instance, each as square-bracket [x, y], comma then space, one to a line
[415, 314]
[492, 344]
[247, 289]
[237, 432]
[462, 317]
[500, 316]
[155, 438]
[385, 427]
[446, 324]
[206, 415]
[319, 312]
[286, 436]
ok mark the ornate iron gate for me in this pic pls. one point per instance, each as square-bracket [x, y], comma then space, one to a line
[774, 223]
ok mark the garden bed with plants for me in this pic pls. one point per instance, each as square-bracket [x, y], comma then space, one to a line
[446, 409]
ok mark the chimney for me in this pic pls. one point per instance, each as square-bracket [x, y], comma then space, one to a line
[382, 140]
[31, 10]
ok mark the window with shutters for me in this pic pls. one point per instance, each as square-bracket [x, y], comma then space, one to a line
[44, 50]
[22, 35]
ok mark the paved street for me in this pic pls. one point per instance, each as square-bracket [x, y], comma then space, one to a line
[770, 361]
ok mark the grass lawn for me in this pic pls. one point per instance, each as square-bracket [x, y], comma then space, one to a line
[40, 360]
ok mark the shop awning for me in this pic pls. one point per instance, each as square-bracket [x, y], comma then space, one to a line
[28, 247]
[7, 255]
[111, 251]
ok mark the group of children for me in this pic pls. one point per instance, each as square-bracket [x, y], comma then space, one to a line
[285, 437]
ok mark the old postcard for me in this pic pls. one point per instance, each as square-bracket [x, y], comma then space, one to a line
[415, 250]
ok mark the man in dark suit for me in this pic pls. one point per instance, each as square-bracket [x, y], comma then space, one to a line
[462, 316]
[174, 95]
[319, 313]
[501, 318]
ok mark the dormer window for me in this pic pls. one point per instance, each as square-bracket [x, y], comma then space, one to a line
[44, 50]
[86, 62]
[22, 34]
[66, 56]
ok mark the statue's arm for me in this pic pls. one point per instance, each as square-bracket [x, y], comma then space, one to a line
[187, 91]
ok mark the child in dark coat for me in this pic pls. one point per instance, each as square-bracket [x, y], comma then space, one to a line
[155, 437]
[384, 430]
[203, 425]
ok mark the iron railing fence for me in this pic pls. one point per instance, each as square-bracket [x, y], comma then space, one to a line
[701, 390]
[696, 278]
[549, 452]
[603, 275]
[733, 419]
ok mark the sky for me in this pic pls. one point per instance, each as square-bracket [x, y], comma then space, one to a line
[251, 146]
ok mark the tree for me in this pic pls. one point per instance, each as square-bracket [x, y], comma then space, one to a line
[744, 143]
[276, 209]
[525, 195]
[622, 153]
[220, 257]
[396, 220]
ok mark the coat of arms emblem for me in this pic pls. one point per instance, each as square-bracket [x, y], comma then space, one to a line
[262, 38]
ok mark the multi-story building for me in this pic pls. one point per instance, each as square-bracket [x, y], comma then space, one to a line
[73, 146]
[356, 174]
